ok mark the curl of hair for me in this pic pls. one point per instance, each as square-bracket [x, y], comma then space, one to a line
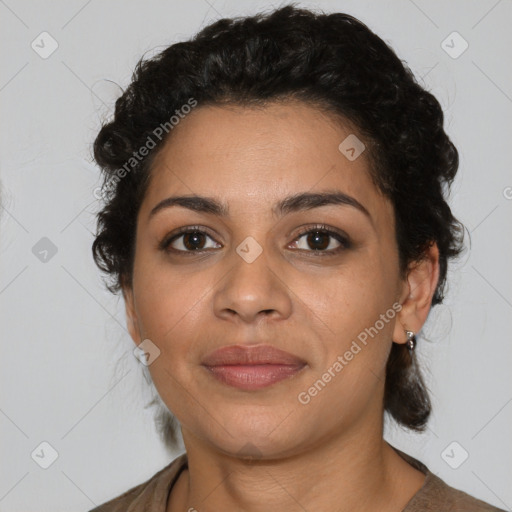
[330, 61]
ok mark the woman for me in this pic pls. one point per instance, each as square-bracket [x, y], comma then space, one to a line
[275, 220]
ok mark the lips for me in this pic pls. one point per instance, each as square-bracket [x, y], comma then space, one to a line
[261, 354]
[252, 368]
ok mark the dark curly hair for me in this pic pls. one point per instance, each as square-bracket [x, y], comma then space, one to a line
[332, 62]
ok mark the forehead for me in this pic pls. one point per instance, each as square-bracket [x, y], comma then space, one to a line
[251, 157]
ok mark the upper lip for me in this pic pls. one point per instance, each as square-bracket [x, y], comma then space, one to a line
[253, 355]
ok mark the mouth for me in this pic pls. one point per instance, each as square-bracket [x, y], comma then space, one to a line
[252, 368]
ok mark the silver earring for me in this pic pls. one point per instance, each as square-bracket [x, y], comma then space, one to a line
[411, 340]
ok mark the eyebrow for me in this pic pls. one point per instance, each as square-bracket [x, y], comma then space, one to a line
[294, 203]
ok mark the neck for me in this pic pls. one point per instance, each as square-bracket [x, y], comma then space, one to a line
[356, 471]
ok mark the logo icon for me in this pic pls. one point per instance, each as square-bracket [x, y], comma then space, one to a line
[146, 352]
[249, 249]
[454, 455]
[44, 45]
[351, 147]
[44, 250]
[454, 45]
[44, 455]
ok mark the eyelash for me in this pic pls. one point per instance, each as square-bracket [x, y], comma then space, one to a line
[318, 228]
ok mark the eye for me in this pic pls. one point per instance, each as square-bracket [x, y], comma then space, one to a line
[188, 240]
[321, 240]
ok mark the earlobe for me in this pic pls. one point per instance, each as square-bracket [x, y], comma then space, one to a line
[419, 288]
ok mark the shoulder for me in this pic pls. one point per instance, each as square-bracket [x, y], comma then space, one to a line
[437, 496]
[153, 492]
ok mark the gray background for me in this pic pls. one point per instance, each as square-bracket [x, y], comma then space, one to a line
[68, 375]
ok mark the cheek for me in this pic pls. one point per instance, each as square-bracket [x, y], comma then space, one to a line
[356, 318]
[171, 311]
[349, 299]
[353, 310]
[167, 298]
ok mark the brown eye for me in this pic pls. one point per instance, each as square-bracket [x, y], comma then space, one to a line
[318, 240]
[321, 240]
[188, 241]
[193, 241]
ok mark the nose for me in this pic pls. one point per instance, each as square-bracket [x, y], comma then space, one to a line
[251, 291]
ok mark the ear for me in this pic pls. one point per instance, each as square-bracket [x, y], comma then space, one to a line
[131, 314]
[416, 294]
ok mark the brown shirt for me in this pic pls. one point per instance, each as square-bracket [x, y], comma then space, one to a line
[434, 495]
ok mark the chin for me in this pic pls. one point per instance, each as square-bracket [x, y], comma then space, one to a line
[247, 434]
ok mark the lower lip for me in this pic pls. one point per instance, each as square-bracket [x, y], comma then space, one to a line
[251, 377]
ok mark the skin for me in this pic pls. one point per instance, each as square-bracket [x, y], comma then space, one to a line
[328, 454]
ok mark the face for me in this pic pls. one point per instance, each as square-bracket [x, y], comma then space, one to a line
[319, 281]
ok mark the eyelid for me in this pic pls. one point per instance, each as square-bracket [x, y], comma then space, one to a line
[339, 235]
[167, 239]
[322, 227]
